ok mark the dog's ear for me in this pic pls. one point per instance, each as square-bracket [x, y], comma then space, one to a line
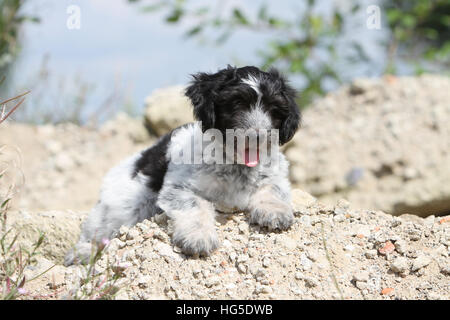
[290, 124]
[201, 92]
[292, 120]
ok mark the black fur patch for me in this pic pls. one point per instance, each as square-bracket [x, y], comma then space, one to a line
[153, 163]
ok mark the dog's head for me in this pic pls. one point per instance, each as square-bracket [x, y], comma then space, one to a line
[245, 98]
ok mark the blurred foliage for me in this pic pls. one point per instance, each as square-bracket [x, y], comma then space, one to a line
[306, 45]
[302, 46]
[60, 99]
[11, 21]
[421, 28]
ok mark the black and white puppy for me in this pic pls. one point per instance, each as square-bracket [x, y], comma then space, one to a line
[151, 182]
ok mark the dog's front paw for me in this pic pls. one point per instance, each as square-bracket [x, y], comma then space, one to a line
[194, 230]
[194, 241]
[273, 217]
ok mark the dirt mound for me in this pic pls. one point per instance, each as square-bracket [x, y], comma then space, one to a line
[331, 252]
[380, 143]
[61, 230]
[64, 165]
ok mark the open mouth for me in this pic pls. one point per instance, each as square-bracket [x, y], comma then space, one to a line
[251, 157]
[248, 152]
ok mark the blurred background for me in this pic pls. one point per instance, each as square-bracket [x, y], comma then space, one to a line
[124, 50]
[88, 61]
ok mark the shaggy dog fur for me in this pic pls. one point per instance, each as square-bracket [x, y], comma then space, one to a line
[150, 182]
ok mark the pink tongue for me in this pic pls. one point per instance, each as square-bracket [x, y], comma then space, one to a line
[251, 162]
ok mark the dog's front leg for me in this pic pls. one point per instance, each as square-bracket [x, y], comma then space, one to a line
[193, 220]
[271, 208]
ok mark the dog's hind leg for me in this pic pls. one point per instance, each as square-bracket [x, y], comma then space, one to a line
[125, 200]
[91, 232]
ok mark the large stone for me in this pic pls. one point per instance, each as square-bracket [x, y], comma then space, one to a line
[61, 230]
[123, 124]
[380, 143]
[167, 109]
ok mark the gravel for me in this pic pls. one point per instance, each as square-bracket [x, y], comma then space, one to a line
[329, 257]
[335, 245]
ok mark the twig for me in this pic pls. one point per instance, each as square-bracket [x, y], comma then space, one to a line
[16, 97]
[3, 118]
[331, 265]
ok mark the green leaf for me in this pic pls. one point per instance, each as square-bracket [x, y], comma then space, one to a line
[275, 22]
[262, 13]
[239, 16]
[4, 203]
[409, 21]
[175, 15]
[153, 7]
[194, 31]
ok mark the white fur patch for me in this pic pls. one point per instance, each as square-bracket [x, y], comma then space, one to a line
[254, 84]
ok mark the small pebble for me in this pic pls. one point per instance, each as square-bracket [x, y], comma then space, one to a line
[362, 276]
[420, 262]
[400, 265]
[371, 254]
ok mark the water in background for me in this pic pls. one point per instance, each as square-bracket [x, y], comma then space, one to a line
[119, 48]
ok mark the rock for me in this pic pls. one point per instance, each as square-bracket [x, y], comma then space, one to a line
[305, 262]
[445, 268]
[414, 232]
[242, 258]
[400, 265]
[123, 230]
[361, 276]
[401, 246]
[266, 262]
[301, 200]
[160, 235]
[132, 234]
[166, 251]
[387, 248]
[299, 276]
[123, 124]
[312, 255]
[349, 247]
[242, 268]
[420, 262]
[143, 281]
[212, 281]
[388, 291]
[61, 230]
[379, 172]
[167, 109]
[371, 254]
[311, 282]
